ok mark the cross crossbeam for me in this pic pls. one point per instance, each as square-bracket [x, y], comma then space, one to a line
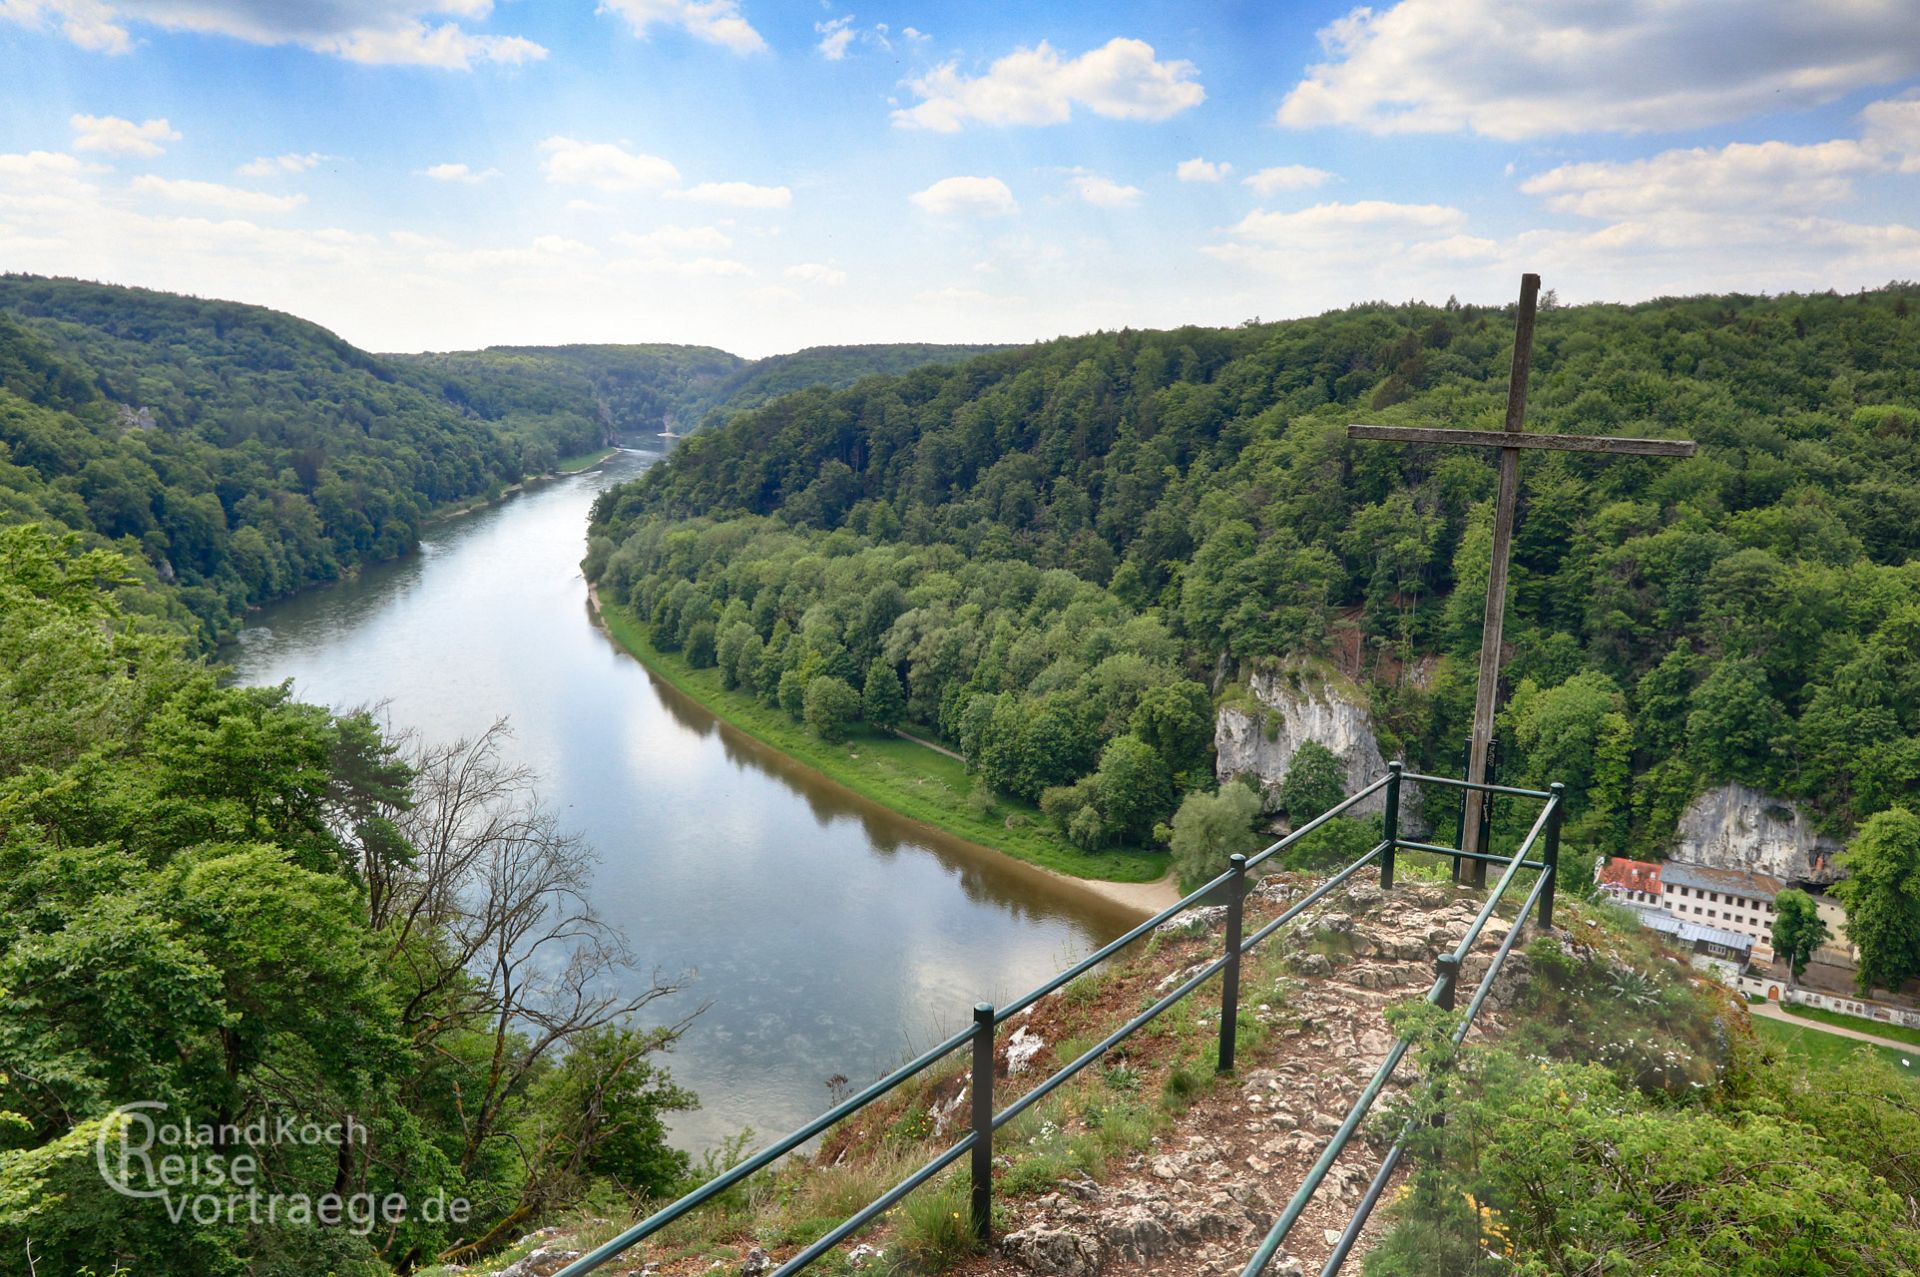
[1503, 439]
[1510, 442]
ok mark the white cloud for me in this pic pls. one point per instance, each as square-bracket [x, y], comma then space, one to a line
[1287, 177]
[972, 196]
[273, 165]
[232, 199]
[459, 173]
[1738, 178]
[1199, 170]
[417, 44]
[684, 251]
[1104, 191]
[116, 136]
[815, 273]
[715, 21]
[1533, 68]
[669, 240]
[1892, 128]
[1331, 224]
[835, 35]
[604, 166]
[371, 31]
[1121, 80]
[736, 195]
[38, 176]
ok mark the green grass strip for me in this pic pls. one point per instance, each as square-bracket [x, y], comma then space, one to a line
[1821, 1049]
[919, 783]
[584, 461]
[1860, 1024]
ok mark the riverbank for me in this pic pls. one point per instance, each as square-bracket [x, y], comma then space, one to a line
[584, 461]
[923, 784]
[561, 470]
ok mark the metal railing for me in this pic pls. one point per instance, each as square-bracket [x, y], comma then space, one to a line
[984, 1121]
[1446, 980]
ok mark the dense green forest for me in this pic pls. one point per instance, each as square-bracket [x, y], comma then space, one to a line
[619, 391]
[761, 380]
[235, 454]
[639, 391]
[1040, 542]
[251, 910]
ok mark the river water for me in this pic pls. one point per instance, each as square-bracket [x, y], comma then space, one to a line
[829, 936]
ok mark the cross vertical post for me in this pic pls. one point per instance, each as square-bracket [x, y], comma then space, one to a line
[1509, 440]
[1495, 617]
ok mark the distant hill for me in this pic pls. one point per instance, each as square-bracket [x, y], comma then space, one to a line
[833, 367]
[636, 392]
[241, 453]
[238, 452]
[630, 392]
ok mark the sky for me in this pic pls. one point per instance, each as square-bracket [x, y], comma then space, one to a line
[762, 176]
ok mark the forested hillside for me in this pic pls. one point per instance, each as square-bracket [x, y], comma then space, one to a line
[639, 391]
[233, 452]
[622, 391]
[763, 380]
[250, 910]
[987, 529]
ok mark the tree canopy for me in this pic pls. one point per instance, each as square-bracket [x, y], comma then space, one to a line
[1750, 614]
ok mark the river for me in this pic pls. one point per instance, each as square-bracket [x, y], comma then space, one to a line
[830, 936]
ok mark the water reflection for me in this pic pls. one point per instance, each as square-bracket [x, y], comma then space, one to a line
[830, 935]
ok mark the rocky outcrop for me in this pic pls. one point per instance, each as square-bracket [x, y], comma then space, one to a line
[1738, 827]
[1291, 705]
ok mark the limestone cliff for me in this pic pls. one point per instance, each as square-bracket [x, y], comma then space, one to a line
[1738, 827]
[1258, 732]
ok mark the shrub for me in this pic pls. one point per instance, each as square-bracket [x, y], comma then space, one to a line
[831, 707]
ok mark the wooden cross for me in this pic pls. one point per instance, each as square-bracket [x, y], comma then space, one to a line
[1510, 441]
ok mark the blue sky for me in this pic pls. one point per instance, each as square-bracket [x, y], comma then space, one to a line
[763, 176]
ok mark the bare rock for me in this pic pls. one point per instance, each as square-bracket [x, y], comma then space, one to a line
[1022, 1046]
[1059, 1251]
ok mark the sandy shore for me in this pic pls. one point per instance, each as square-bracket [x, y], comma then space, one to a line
[1144, 898]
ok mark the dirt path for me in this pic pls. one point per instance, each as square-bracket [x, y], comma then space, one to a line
[1772, 1012]
[921, 740]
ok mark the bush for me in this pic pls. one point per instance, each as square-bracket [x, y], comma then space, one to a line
[831, 707]
[1315, 782]
[1210, 827]
[793, 693]
[883, 702]
[701, 646]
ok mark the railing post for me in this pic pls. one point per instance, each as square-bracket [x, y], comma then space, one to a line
[982, 1121]
[1552, 859]
[1447, 967]
[1230, 974]
[1391, 824]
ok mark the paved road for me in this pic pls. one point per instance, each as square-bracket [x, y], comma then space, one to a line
[1772, 1012]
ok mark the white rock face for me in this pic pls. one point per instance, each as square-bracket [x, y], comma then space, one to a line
[1307, 706]
[1738, 827]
